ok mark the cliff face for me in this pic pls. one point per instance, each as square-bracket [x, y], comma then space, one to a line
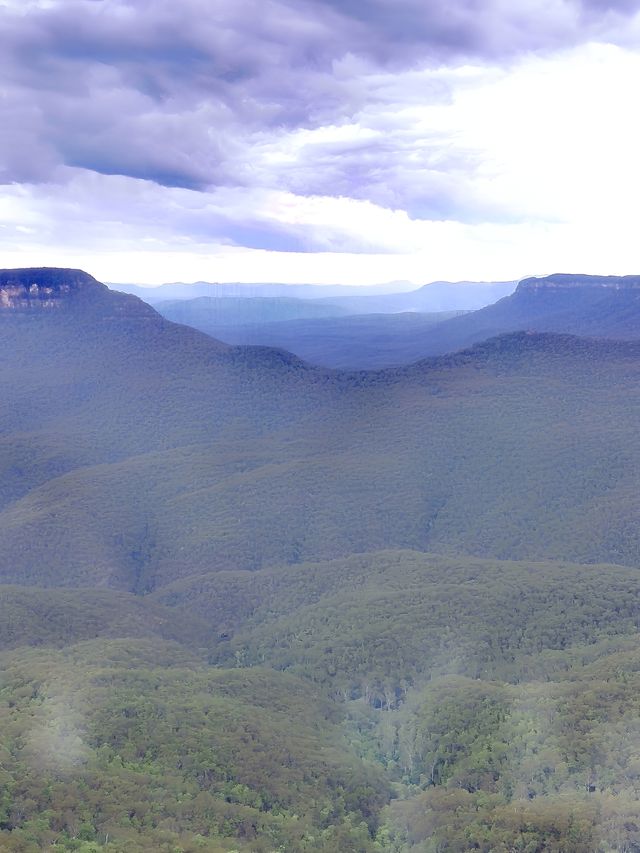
[45, 288]
[561, 281]
[19, 297]
[37, 291]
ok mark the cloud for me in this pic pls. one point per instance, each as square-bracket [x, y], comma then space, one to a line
[401, 32]
[180, 93]
[308, 126]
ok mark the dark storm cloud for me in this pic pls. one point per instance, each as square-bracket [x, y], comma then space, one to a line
[190, 94]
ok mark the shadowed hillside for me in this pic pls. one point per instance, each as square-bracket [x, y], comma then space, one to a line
[363, 342]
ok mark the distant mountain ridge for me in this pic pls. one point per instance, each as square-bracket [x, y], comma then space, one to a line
[594, 306]
[393, 297]
[207, 313]
[433, 297]
[353, 331]
[247, 290]
[576, 304]
[135, 451]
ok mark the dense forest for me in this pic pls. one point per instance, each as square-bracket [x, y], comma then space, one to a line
[251, 604]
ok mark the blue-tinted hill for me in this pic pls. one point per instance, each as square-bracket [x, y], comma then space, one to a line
[595, 306]
[136, 451]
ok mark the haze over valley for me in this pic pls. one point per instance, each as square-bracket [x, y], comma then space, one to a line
[367, 331]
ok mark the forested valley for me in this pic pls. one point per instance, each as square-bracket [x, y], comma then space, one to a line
[249, 603]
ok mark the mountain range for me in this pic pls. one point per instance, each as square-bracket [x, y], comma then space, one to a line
[596, 306]
[138, 450]
[391, 297]
[248, 603]
[207, 313]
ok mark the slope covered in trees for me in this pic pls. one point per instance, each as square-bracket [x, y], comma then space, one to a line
[594, 306]
[137, 451]
[375, 625]
[138, 746]
[425, 702]
[252, 605]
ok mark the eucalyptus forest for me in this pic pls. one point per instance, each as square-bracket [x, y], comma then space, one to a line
[259, 598]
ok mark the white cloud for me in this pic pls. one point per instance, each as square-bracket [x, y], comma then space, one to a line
[466, 171]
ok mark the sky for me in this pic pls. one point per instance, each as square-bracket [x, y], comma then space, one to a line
[321, 141]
